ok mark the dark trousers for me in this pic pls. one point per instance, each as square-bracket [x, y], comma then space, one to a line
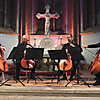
[75, 66]
[98, 77]
[33, 73]
[18, 66]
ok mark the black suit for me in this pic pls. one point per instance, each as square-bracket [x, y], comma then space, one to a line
[75, 62]
[18, 62]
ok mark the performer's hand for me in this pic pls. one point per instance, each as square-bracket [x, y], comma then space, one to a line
[66, 50]
[84, 46]
[24, 51]
[0, 56]
[72, 45]
[3, 48]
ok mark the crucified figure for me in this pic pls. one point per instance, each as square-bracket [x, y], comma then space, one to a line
[47, 17]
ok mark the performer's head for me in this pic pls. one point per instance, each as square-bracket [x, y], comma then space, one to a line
[2, 47]
[70, 38]
[24, 39]
[0, 44]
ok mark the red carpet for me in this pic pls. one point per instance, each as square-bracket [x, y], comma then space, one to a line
[38, 73]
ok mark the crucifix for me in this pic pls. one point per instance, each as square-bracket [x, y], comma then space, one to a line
[47, 17]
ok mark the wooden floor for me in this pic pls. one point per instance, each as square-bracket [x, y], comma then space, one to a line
[49, 89]
[47, 80]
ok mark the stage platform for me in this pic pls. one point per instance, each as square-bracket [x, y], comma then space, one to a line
[47, 87]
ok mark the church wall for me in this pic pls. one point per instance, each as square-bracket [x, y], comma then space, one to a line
[64, 15]
[89, 27]
[28, 18]
[22, 20]
[14, 18]
[90, 39]
[76, 21]
[8, 41]
[73, 18]
[35, 20]
[70, 17]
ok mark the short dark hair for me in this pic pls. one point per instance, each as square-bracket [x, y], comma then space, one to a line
[0, 44]
[71, 35]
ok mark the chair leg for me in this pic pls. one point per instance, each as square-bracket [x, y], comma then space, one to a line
[66, 75]
[3, 77]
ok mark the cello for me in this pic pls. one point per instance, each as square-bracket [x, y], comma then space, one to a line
[66, 65]
[3, 63]
[27, 64]
[95, 66]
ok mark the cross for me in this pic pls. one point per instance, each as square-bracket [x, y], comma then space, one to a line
[47, 17]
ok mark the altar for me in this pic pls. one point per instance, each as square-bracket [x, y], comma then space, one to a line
[59, 40]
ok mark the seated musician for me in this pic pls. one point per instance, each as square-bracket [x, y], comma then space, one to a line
[24, 44]
[67, 47]
[2, 50]
[2, 47]
[98, 75]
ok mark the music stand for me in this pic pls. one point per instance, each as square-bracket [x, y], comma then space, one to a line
[77, 56]
[16, 53]
[34, 54]
[57, 55]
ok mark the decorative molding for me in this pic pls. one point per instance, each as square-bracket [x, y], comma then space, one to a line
[9, 33]
[89, 33]
[46, 43]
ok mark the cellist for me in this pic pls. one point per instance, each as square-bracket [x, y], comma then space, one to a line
[97, 75]
[24, 44]
[1, 54]
[3, 64]
[71, 45]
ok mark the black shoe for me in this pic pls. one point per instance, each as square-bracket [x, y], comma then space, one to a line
[96, 83]
[95, 78]
[70, 79]
[17, 78]
[0, 74]
[64, 78]
[31, 77]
